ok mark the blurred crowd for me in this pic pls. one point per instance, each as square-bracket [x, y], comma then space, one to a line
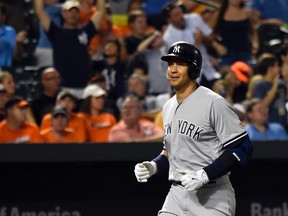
[89, 71]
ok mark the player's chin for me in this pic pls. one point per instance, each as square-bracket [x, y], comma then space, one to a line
[173, 81]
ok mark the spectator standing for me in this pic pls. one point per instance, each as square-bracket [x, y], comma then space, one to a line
[233, 28]
[76, 124]
[43, 104]
[98, 122]
[3, 100]
[58, 132]
[143, 48]
[70, 56]
[131, 127]
[15, 128]
[271, 90]
[44, 49]
[259, 128]
[113, 69]
[87, 9]
[7, 39]
[191, 28]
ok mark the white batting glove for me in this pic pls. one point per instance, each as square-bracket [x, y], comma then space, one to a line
[192, 180]
[143, 171]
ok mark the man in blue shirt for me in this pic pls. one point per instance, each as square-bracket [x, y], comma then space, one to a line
[258, 127]
[7, 39]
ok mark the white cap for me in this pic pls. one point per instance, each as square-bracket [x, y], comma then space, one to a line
[93, 90]
[69, 4]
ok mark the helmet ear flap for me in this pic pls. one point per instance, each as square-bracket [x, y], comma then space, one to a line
[193, 72]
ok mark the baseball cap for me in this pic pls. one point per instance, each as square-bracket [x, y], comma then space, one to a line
[93, 90]
[2, 88]
[169, 6]
[61, 95]
[69, 4]
[59, 110]
[16, 101]
[241, 70]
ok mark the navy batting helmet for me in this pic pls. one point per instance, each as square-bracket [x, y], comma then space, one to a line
[187, 52]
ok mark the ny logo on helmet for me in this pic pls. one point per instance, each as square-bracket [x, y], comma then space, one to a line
[176, 49]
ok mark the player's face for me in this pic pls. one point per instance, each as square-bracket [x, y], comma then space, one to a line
[178, 74]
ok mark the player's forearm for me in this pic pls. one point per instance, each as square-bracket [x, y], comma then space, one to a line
[238, 155]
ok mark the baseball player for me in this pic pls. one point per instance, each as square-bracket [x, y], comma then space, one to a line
[203, 140]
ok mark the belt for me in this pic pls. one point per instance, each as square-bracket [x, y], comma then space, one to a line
[175, 183]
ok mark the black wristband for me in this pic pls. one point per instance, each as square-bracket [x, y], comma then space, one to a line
[162, 164]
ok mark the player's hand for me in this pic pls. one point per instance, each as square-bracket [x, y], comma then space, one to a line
[192, 180]
[143, 171]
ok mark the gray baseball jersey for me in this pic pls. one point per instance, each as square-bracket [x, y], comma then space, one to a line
[196, 129]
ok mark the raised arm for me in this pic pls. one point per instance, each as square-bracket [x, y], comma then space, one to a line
[41, 14]
[98, 15]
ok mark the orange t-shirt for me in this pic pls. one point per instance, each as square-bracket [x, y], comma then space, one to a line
[69, 137]
[76, 123]
[98, 127]
[28, 133]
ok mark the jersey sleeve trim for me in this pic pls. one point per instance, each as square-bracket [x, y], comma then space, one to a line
[235, 141]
